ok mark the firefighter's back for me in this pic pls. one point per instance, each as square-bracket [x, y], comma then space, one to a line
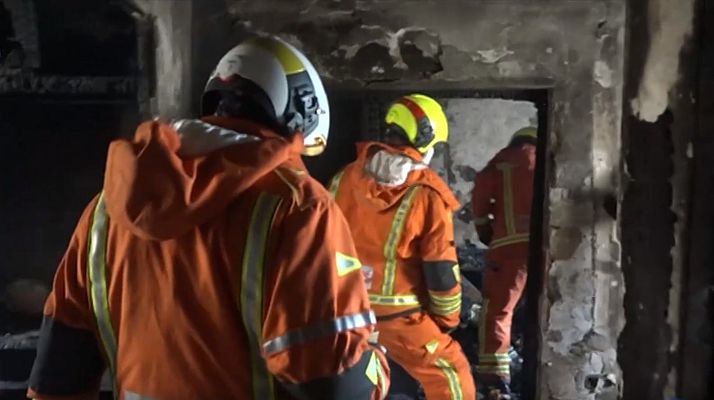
[176, 305]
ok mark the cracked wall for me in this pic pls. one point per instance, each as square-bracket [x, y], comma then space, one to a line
[572, 48]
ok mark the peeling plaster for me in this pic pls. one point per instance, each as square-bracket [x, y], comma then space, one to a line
[670, 23]
[572, 315]
[493, 55]
[603, 74]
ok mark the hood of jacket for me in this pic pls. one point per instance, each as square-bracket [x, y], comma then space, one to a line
[173, 177]
[384, 173]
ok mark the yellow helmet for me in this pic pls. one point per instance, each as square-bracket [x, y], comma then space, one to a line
[526, 132]
[421, 119]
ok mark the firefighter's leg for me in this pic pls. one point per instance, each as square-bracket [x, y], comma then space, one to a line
[503, 286]
[430, 356]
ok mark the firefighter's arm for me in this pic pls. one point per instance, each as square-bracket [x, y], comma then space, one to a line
[481, 201]
[69, 363]
[318, 320]
[441, 270]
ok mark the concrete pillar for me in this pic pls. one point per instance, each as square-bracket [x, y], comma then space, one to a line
[173, 30]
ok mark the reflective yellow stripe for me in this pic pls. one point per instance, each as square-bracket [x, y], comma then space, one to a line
[444, 305]
[383, 382]
[395, 234]
[452, 377]
[511, 239]
[494, 363]
[502, 370]
[508, 198]
[405, 300]
[494, 367]
[251, 290]
[335, 183]
[446, 300]
[495, 357]
[445, 310]
[376, 374]
[372, 371]
[98, 292]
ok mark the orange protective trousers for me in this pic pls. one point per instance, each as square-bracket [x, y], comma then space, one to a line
[429, 355]
[504, 282]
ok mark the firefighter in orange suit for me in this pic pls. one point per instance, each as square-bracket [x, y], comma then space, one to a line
[400, 215]
[212, 266]
[501, 201]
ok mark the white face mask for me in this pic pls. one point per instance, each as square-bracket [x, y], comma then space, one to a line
[428, 155]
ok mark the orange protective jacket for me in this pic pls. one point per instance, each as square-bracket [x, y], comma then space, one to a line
[400, 215]
[503, 191]
[211, 264]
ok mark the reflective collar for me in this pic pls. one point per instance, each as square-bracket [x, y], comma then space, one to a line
[200, 138]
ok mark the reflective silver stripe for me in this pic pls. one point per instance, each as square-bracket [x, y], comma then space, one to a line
[135, 396]
[405, 300]
[98, 283]
[337, 325]
[251, 290]
[395, 234]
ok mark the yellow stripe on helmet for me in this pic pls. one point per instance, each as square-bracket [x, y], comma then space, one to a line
[285, 55]
[400, 115]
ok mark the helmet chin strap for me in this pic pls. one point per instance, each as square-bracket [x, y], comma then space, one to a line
[428, 156]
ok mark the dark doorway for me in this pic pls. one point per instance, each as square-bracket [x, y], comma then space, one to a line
[481, 122]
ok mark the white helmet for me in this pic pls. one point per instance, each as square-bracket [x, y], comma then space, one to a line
[279, 79]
